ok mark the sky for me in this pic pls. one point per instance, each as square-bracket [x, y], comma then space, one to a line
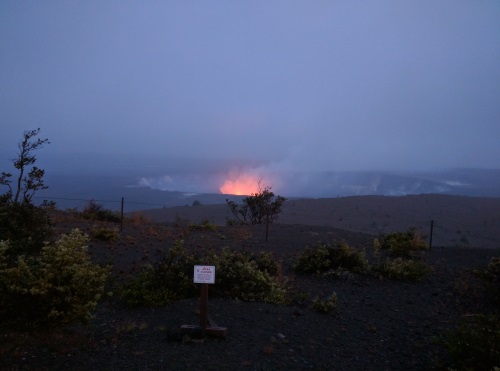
[255, 87]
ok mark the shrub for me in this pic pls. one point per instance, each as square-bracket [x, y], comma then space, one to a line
[59, 286]
[167, 281]
[26, 226]
[203, 226]
[475, 345]
[327, 305]
[491, 279]
[150, 288]
[402, 269]
[105, 233]
[248, 277]
[402, 244]
[95, 211]
[239, 275]
[324, 258]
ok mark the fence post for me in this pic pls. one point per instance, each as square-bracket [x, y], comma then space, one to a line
[430, 238]
[121, 217]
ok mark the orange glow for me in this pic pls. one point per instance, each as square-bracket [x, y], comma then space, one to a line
[243, 185]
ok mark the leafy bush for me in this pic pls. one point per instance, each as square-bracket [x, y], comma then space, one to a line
[402, 244]
[105, 233]
[239, 275]
[403, 269]
[26, 226]
[475, 345]
[491, 279]
[325, 259]
[327, 305]
[59, 286]
[248, 277]
[167, 281]
[203, 226]
[95, 211]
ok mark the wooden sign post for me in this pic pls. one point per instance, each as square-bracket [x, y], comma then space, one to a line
[205, 275]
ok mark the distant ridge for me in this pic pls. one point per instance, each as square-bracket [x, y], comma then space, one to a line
[75, 190]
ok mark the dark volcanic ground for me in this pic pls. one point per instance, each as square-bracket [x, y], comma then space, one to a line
[379, 324]
[458, 220]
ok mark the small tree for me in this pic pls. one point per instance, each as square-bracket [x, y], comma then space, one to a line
[261, 207]
[24, 224]
[26, 184]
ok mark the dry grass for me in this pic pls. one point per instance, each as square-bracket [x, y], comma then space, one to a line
[240, 233]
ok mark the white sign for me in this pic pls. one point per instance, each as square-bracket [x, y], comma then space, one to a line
[204, 274]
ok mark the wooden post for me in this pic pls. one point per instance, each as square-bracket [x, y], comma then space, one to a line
[430, 238]
[204, 306]
[205, 275]
[121, 217]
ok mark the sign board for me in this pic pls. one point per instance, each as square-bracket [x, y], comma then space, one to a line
[204, 274]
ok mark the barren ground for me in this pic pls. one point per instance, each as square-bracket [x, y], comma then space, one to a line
[379, 324]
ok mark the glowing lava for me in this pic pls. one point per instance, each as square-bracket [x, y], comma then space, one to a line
[243, 185]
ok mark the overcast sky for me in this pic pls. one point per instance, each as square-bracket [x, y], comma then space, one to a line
[299, 85]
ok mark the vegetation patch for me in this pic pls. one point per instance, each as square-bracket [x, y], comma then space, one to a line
[103, 233]
[205, 225]
[325, 305]
[59, 286]
[475, 344]
[95, 211]
[399, 256]
[491, 279]
[403, 269]
[248, 277]
[239, 275]
[331, 260]
[402, 244]
[25, 225]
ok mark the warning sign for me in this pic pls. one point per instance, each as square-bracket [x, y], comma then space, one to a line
[204, 274]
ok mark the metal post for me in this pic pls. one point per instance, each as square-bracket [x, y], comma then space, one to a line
[430, 238]
[121, 217]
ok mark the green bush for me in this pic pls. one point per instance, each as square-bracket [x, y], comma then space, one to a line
[59, 286]
[167, 281]
[475, 345]
[26, 226]
[248, 277]
[403, 269]
[203, 226]
[239, 275]
[402, 244]
[94, 211]
[325, 259]
[150, 288]
[104, 233]
[327, 305]
[491, 279]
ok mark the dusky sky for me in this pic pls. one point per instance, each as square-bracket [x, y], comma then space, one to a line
[290, 85]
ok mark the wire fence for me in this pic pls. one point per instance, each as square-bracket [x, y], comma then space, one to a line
[81, 202]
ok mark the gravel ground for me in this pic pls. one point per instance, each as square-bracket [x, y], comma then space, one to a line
[379, 324]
